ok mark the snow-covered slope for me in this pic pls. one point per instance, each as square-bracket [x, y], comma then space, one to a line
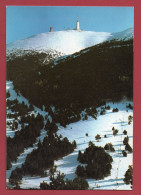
[77, 131]
[124, 35]
[66, 42]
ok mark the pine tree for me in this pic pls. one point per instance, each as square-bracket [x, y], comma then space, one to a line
[128, 177]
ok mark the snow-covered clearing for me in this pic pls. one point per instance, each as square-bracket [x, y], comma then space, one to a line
[103, 125]
[13, 94]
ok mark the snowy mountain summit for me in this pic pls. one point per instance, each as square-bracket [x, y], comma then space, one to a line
[66, 42]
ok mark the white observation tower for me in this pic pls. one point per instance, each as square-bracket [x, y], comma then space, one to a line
[77, 25]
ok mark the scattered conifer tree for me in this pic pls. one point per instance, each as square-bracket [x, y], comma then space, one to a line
[97, 137]
[130, 119]
[128, 148]
[125, 132]
[128, 177]
[115, 110]
[124, 153]
[115, 132]
[109, 147]
[126, 140]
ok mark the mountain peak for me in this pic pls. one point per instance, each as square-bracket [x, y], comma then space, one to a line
[68, 41]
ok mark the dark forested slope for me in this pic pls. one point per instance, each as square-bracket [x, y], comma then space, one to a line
[104, 71]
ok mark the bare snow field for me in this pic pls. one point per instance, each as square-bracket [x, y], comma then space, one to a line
[76, 41]
[67, 41]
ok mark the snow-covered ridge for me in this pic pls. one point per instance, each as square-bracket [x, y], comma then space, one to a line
[66, 42]
[124, 35]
